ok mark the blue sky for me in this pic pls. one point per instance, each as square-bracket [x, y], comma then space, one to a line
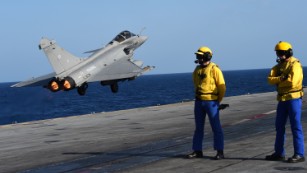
[241, 33]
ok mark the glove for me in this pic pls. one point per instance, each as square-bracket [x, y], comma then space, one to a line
[283, 77]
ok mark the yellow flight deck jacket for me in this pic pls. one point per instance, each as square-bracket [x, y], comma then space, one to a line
[209, 82]
[288, 77]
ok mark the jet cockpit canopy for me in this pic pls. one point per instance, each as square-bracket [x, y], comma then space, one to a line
[123, 36]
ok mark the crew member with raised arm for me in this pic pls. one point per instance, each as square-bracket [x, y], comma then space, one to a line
[287, 76]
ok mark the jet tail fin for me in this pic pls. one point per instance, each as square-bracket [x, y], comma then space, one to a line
[59, 58]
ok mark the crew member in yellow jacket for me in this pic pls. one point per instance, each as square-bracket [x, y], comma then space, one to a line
[210, 89]
[287, 76]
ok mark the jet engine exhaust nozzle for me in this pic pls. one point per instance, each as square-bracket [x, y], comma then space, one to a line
[68, 83]
[54, 85]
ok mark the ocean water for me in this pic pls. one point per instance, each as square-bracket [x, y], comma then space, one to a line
[36, 103]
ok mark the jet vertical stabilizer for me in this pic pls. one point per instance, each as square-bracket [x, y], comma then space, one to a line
[59, 58]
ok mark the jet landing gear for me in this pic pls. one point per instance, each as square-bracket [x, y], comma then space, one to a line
[113, 85]
[82, 89]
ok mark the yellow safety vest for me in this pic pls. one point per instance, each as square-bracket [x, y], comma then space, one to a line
[209, 82]
[291, 86]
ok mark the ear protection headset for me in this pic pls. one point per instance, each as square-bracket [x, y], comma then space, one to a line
[289, 53]
[204, 58]
[207, 56]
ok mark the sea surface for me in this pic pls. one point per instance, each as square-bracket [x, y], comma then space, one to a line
[36, 103]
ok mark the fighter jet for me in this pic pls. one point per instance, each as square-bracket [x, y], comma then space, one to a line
[109, 65]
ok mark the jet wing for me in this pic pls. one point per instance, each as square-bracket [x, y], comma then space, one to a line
[122, 69]
[39, 81]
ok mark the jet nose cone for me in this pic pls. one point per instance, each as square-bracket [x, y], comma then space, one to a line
[143, 39]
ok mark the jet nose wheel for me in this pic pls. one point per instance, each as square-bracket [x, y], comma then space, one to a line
[82, 89]
[114, 88]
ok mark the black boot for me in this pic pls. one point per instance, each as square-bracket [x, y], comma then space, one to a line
[296, 158]
[275, 157]
[219, 155]
[195, 154]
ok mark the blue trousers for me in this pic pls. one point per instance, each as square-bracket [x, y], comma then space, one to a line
[291, 109]
[201, 109]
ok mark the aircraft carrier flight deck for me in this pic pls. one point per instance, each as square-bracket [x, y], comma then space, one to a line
[152, 139]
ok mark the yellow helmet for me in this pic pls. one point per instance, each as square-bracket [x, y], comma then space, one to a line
[282, 45]
[202, 50]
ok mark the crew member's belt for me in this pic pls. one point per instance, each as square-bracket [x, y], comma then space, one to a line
[199, 95]
[300, 90]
